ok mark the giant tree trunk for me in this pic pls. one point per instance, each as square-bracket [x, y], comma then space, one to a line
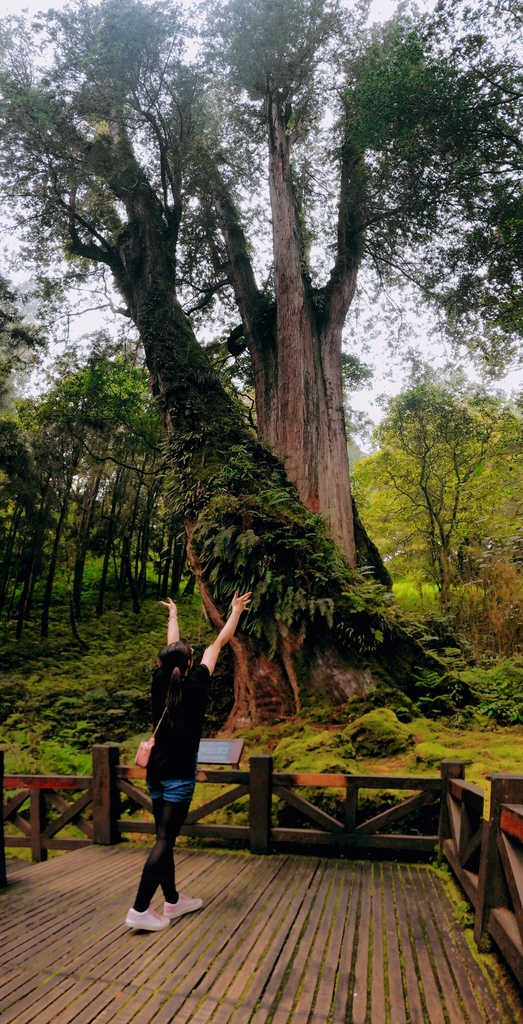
[295, 342]
[304, 420]
[246, 525]
[320, 601]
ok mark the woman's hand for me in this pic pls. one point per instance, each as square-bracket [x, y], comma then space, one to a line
[169, 603]
[241, 604]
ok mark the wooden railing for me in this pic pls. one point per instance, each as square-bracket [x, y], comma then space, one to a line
[40, 809]
[260, 783]
[480, 832]
[481, 836]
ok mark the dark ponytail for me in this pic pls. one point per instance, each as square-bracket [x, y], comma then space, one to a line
[175, 661]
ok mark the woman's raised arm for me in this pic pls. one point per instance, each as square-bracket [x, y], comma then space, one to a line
[239, 605]
[173, 630]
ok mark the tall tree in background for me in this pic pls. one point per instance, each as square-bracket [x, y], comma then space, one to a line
[447, 464]
[382, 149]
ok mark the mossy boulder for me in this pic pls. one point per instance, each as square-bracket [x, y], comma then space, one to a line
[314, 751]
[378, 733]
[432, 752]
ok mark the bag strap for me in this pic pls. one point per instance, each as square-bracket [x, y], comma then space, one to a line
[160, 721]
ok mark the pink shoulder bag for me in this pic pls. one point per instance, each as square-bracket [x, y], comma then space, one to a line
[144, 750]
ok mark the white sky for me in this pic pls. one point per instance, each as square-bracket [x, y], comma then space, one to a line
[380, 9]
[389, 372]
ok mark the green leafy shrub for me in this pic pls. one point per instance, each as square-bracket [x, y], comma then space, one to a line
[498, 690]
[441, 694]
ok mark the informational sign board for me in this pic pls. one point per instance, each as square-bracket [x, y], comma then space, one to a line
[220, 752]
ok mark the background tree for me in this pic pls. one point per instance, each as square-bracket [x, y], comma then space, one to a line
[443, 102]
[445, 477]
[91, 483]
[378, 156]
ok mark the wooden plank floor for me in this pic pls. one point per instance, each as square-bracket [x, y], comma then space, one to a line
[280, 939]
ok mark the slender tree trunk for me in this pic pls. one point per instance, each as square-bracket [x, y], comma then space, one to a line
[84, 529]
[8, 556]
[46, 603]
[127, 573]
[445, 578]
[111, 531]
[31, 560]
[22, 602]
[178, 563]
[142, 550]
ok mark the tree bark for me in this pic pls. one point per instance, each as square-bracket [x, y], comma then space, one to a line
[51, 571]
[111, 532]
[295, 344]
[89, 502]
[8, 555]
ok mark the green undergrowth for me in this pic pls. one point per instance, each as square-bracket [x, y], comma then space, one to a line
[56, 701]
[298, 745]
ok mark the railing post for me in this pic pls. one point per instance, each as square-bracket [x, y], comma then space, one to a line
[3, 872]
[350, 806]
[449, 769]
[492, 889]
[106, 795]
[38, 820]
[260, 790]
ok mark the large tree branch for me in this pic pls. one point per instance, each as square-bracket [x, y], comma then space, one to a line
[341, 286]
[103, 253]
[289, 248]
[170, 178]
[128, 181]
[207, 296]
[239, 267]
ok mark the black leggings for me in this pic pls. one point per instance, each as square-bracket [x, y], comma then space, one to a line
[159, 866]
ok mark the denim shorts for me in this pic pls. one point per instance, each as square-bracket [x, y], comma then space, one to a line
[173, 790]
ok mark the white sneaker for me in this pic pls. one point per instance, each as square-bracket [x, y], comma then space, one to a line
[185, 905]
[146, 920]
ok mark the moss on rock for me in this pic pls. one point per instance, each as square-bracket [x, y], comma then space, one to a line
[378, 733]
[431, 753]
[315, 752]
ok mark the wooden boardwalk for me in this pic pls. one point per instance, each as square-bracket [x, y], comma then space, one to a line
[280, 939]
